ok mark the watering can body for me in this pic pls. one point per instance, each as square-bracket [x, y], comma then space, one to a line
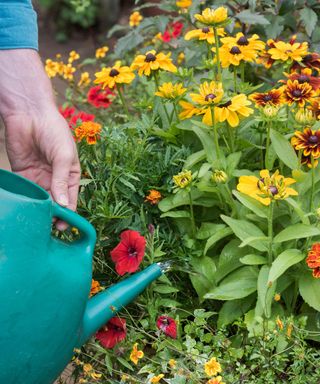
[45, 284]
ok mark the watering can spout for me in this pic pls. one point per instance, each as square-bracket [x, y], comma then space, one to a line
[106, 304]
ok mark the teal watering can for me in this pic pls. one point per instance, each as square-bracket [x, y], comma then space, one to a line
[45, 283]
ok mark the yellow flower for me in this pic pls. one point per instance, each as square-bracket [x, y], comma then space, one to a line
[184, 3]
[87, 368]
[289, 330]
[181, 57]
[52, 68]
[249, 46]
[216, 380]
[209, 93]
[232, 109]
[285, 51]
[88, 130]
[101, 52]
[152, 61]
[219, 176]
[279, 323]
[136, 354]
[212, 367]
[267, 187]
[204, 34]
[170, 91]
[213, 16]
[111, 76]
[277, 297]
[188, 111]
[135, 19]
[172, 363]
[294, 92]
[182, 179]
[156, 379]
[68, 71]
[73, 55]
[270, 111]
[84, 79]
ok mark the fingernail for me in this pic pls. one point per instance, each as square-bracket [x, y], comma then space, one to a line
[63, 200]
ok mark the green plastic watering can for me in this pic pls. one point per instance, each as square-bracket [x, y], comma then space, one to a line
[45, 284]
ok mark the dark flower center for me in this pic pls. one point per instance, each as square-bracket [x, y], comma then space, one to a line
[210, 96]
[114, 72]
[273, 190]
[225, 105]
[243, 41]
[307, 58]
[267, 98]
[303, 79]
[132, 252]
[165, 321]
[205, 29]
[150, 57]
[313, 139]
[296, 93]
[235, 50]
[260, 181]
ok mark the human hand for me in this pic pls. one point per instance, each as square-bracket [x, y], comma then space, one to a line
[38, 140]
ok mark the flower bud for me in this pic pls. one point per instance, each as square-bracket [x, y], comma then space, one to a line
[219, 176]
[304, 116]
[270, 111]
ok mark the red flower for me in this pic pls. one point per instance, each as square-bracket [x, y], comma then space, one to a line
[167, 325]
[129, 253]
[166, 37]
[112, 333]
[67, 112]
[177, 29]
[100, 98]
[80, 118]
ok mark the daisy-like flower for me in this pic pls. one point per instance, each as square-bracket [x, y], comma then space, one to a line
[52, 68]
[73, 56]
[267, 187]
[313, 260]
[90, 372]
[309, 142]
[101, 52]
[249, 46]
[170, 91]
[111, 76]
[153, 61]
[84, 79]
[188, 110]
[315, 108]
[209, 93]
[135, 354]
[184, 3]
[294, 92]
[88, 130]
[129, 253]
[68, 71]
[311, 60]
[273, 97]
[216, 380]
[214, 17]
[156, 379]
[182, 179]
[135, 19]
[305, 76]
[233, 109]
[100, 98]
[95, 287]
[212, 367]
[153, 197]
[231, 55]
[204, 34]
[112, 333]
[168, 326]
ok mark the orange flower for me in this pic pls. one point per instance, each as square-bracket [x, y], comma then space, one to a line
[279, 323]
[305, 76]
[274, 97]
[313, 260]
[136, 354]
[309, 142]
[95, 287]
[154, 197]
[294, 92]
[88, 130]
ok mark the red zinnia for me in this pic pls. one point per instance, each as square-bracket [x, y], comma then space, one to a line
[67, 112]
[129, 253]
[177, 29]
[167, 325]
[80, 118]
[100, 98]
[112, 333]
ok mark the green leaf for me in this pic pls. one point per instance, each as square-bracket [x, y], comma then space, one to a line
[284, 261]
[247, 17]
[254, 240]
[127, 43]
[298, 210]
[236, 285]
[162, 288]
[265, 292]
[284, 149]
[253, 204]
[244, 229]
[309, 288]
[195, 158]
[234, 309]
[208, 229]
[125, 363]
[180, 198]
[169, 303]
[176, 214]
[253, 260]
[220, 234]
[309, 19]
[296, 231]
[203, 278]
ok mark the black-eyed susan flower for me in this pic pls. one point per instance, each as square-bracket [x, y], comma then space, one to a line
[152, 61]
[305, 76]
[272, 97]
[310, 60]
[204, 34]
[212, 367]
[101, 52]
[84, 79]
[135, 19]
[214, 17]
[294, 92]
[209, 93]
[135, 354]
[111, 76]
[231, 55]
[315, 108]
[234, 108]
[170, 91]
[182, 179]
[304, 116]
[184, 3]
[188, 110]
[267, 187]
[309, 142]
[249, 46]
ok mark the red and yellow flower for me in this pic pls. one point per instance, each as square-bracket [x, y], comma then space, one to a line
[307, 141]
[294, 92]
[313, 260]
[88, 130]
[273, 97]
[305, 76]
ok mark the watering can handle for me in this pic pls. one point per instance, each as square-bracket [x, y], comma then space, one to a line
[87, 232]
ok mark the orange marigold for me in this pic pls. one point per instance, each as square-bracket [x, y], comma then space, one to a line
[88, 130]
[153, 197]
[95, 287]
[313, 260]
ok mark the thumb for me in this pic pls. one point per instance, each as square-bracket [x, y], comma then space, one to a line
[60, 180]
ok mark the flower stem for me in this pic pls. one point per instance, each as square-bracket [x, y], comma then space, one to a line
[312, 184]
[123, 101]
[242, 72]
[235, 79]
[215, 134]
[270, 233]
[156, 80]
[267, 145]
[193, 224]
[216, 39]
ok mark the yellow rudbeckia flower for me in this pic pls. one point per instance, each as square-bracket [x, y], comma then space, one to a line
[170, 91]
[188, 110]
[111, 76]
[232, 109]
[209, 93]
[152, 61]
[267, 187]
[213, 17]
[285, 51]
[249, 46]
[204, 34]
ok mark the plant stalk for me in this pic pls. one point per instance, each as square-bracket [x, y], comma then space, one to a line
[215, 133]
[267, 145]
[193, 223]
[312, 184]
[156, 80]
[123, 101]
[216, 39]
[235, 79]
[270, 233]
